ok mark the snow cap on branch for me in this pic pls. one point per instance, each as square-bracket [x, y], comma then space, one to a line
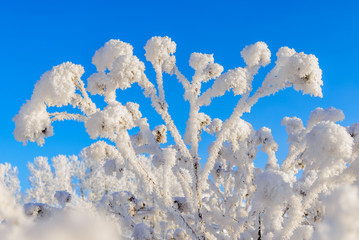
[159, 52]
[256, 54]
[293, 125]
[272, 188]
[57, 86]
[212, 71]
[99, 151]
[205, 66]
[328, 140]
[106, 55]
[307, 74]
[134, 109]
[298, 69]
[201, 121]
[240, 131]
[114, 119]
[102, 155]
[265, 138]
[100, 83]
[127, 70]
[32, 123]
[199, 61]
[238, 79]
[328, 114]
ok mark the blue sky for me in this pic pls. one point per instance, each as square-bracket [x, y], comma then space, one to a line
[36, 35]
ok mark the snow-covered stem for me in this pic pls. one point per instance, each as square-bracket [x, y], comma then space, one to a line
[244, 105]
[159, 79]
[87, 105]
[163, 112]
[61, 116]
[125, 146]
[181, 78]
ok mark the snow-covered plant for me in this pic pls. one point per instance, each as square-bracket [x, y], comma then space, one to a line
[146, 188]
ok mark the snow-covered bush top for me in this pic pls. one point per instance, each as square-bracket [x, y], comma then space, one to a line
[140, 187]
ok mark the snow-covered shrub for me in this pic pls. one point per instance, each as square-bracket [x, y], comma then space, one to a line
[141, 187]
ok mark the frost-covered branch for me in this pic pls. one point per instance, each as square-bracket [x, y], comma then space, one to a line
[142, 187]
[61, 116]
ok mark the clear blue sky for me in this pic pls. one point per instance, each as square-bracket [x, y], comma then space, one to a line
[36, 35]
